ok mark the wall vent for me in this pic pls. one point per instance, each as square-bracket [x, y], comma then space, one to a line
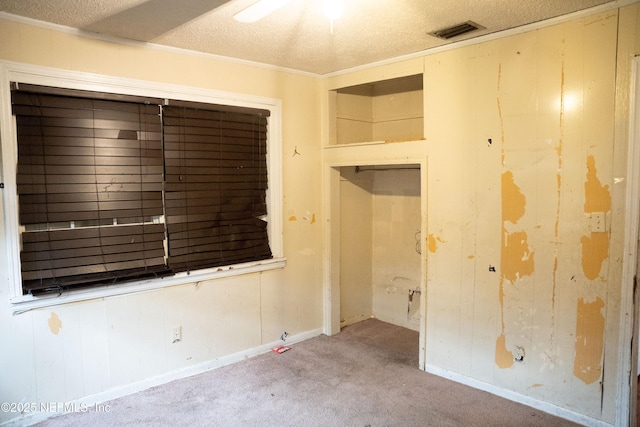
[457, 30]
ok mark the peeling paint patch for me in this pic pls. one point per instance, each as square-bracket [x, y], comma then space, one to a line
[597, 196]
[587, 365]
[504, 358]
[432, 243]
[513, 201]
[595, 250]
[311, 217]
[516, 258]
[55, 324]
[293, 218]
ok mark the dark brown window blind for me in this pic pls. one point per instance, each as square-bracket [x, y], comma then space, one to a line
[216, 182]
[114, 188]
[90, 181]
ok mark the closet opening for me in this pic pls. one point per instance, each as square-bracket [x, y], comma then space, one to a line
[380, 238]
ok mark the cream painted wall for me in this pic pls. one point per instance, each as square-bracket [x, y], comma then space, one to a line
[75, 350]
[396, 262]
[526, 137]
[356, 240]
[387, 111]
[519, 204]
[379, 217]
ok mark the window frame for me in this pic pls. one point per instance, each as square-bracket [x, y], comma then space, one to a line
[31, 74]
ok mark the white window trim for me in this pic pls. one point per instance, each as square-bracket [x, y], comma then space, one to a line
[25, 73]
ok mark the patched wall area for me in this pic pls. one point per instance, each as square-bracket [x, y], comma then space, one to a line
[525, 144]
[521, 146]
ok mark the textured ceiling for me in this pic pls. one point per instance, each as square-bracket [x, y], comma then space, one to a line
[296, 36]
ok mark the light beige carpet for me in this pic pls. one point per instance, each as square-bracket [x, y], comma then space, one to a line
[365, 376]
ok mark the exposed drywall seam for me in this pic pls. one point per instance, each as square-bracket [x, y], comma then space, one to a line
[504, 358]
[556, 226]
[500, 112]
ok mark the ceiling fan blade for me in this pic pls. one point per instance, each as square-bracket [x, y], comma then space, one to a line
[259, 10]
[153, 18]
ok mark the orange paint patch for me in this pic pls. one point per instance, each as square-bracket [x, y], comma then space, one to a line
[55, 324]
[597, 196]
[504, 358]
[516, 259]
[513, 201]
[587, 365]
[535, 385]
[313, 218]
[471, 257]
[293, 218]
[595, 250]
[432, 243]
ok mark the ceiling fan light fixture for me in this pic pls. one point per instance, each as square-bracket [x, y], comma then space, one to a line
[333, 9]
[259, 10]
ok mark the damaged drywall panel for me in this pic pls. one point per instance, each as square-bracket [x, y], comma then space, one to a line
[536, 266]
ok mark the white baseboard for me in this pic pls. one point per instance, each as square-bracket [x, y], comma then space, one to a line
[105, 396]
[517, 397]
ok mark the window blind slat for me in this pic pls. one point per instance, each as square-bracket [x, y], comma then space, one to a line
[102, 181]
[83, 257]
[86, 188]
[89, 197]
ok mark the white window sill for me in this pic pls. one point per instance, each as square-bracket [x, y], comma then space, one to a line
[23, 303]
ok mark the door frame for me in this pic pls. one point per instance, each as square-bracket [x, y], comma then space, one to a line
[363, 156]
[628, 363]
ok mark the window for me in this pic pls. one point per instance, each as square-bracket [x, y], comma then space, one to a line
[114, 188]
[216, 178]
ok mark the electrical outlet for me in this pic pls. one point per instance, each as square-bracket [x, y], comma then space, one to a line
[176, 335]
